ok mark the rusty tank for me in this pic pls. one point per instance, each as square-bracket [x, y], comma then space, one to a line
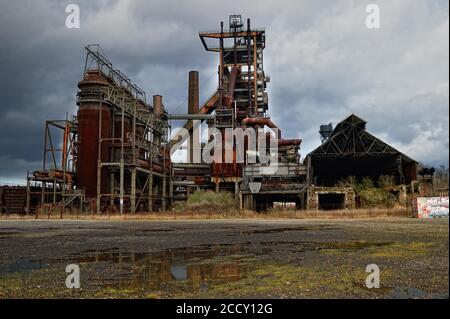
[93, 111]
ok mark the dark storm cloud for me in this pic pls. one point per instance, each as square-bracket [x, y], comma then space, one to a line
[323, 62]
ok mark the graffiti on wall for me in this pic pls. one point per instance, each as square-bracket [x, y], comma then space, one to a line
[432, 207]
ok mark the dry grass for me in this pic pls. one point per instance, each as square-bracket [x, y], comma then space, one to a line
[353, 213]
[231, 214]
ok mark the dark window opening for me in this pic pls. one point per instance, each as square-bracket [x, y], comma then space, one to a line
[331, 201]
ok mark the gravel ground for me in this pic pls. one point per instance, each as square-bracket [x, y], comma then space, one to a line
[225, 258]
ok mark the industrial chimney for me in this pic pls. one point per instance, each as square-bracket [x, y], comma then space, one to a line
[193, 108]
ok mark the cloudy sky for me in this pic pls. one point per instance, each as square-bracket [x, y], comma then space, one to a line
[323, 62]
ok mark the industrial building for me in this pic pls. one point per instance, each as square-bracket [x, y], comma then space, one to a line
[116, 152]
[350, 150]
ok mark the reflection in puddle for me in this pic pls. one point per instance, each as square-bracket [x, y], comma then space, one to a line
[206, 268]
[413, 293]
[273, 230]
[173, 269]
[189, 267]
[22, 265]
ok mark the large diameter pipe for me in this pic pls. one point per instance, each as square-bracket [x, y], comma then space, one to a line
[60, 174]
[191, 116]
[262, 121]
[290, 142]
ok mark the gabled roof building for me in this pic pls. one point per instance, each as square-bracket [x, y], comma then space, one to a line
[350, 150]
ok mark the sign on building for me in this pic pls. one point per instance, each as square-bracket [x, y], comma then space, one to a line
[432, 207]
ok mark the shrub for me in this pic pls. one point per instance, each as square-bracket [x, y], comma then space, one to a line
[208, 201]
[386, 181]
[350, 181]
[371, 195]
[376, 197]
[366, 183]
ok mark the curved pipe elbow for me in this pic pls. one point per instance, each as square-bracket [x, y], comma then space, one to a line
[263, 121]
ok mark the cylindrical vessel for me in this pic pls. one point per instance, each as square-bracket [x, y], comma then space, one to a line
[92, 113]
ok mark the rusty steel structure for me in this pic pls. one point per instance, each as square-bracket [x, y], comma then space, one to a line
[116, 153]
[54, 184]
[240, 101]
[113, 156]
[121, 140]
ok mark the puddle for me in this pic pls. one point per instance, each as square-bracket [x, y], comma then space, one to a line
[284, 230]
[349, 245]
[22, 265]
[171, 271]
[413, 293]
[303, 246]
[404, 293]
[8, 234]
[157, 230]
[204, 268]
[194, 266]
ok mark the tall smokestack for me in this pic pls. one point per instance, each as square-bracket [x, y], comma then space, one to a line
[193, 93]
[193, 108]
[158, 110]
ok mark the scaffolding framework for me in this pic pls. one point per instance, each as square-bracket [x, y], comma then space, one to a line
[54, 183]
[137, 151]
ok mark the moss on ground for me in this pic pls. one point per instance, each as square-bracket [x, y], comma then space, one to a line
[311, 268]
[400, 250]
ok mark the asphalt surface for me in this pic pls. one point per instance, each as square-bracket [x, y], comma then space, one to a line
[225, 258]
